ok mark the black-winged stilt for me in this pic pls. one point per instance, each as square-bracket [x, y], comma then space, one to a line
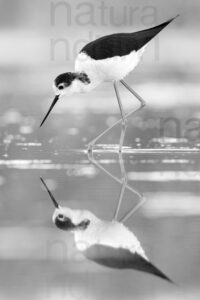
[108, 243]
[109, 58]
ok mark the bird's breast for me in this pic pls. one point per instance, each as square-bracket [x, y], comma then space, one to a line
[109, 69]
[113, 234]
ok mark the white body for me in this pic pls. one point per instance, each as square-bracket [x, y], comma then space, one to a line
[113, 233]
[109, 69]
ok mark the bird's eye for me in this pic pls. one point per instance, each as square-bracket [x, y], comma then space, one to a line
[61, 87]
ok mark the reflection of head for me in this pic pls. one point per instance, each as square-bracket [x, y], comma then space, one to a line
[63, 217]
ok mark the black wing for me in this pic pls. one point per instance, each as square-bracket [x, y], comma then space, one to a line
[119, 258]
[121, 44]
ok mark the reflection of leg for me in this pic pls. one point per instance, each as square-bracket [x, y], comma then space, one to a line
[123, 188]
[124, 121]
[122, 181]
[95, 162]
[122, 167]
[140, 99]
[124, 184]
[141, 197]
[133, 210]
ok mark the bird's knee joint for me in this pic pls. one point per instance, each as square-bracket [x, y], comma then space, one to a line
[124, 179]
[124, 123]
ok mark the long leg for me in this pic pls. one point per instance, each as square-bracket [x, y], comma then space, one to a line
[124, 120]
[140, 99]
[91, 144]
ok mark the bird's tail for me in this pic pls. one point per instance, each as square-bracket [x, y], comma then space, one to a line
[146, 266]
[120, 258]
[144, 36]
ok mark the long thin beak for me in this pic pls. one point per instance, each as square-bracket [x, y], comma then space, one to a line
[50, 194]
[50, 109]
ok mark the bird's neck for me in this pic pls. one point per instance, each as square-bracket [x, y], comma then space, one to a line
[80, 82]
[83, 83]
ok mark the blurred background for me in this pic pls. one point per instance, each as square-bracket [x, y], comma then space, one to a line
[39, 40]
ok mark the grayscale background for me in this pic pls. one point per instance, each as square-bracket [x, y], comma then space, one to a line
[39, 40]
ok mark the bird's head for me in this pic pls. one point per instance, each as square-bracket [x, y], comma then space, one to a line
[63, 216]
[63, 85]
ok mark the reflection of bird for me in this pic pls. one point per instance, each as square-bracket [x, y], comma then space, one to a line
[109, 58]
[108, 243]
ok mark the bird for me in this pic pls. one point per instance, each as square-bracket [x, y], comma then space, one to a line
[107, 59]
[107, 243]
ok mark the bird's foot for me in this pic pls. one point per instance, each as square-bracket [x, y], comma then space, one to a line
[143, 104]
[120, 149]
[90, 147]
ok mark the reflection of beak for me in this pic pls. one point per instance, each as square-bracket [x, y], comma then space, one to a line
[50, 194]
[50, 109]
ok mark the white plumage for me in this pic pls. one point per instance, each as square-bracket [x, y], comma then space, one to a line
[107, 233]
[108, 69]
[108, 243]
[109, 58]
